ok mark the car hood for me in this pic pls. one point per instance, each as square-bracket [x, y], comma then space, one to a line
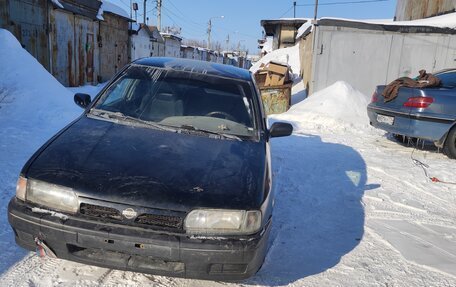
[152, 168]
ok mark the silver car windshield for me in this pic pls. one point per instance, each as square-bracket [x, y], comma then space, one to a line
[182, 99]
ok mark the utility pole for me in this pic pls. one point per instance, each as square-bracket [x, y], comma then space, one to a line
[209, 29]
[131, 9]
[294, 9]
[228, 41]
[145, 12]
[316, 9]
[159, 15]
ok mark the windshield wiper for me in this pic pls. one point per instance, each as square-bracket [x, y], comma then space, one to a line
[222, 135]
[120, 116]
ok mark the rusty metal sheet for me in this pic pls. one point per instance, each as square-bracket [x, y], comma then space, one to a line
[27, 21]
[4, 14]
[63, 47]
[276, 100]
[83, 27]
[113, 44]
[89, 50]
[73, 48]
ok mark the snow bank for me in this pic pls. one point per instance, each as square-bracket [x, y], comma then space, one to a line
[288, 55]
[336, 106]
[29, 91]
[33, 107]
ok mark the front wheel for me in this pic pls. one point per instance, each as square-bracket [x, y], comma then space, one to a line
[450, 144]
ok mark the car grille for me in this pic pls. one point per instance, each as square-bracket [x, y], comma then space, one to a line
[100, 211]
[160, 220]
[149, 219]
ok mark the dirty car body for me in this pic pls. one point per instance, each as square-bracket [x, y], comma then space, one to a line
[167, 171]
[428, 113]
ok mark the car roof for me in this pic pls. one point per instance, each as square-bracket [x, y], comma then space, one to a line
[196, 66]
[450, 70]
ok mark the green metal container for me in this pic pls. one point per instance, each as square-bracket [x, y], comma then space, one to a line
[276, 99]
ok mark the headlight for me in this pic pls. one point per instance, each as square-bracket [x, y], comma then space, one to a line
[21, 187]
[220, 221]
[51, 195]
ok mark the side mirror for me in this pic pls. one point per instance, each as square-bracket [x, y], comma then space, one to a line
[279, 129]
[82, 100]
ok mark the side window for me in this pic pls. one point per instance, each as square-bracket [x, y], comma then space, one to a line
[448, 79]
[119, 91]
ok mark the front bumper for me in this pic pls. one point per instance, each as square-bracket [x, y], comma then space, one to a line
[139, 249]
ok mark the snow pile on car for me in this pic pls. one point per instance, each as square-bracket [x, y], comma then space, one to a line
[337, 106]
[27, 90]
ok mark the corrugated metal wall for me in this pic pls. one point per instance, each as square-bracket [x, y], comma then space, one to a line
[113, 44]
[366, 58]
[27, 21]
[418, 9]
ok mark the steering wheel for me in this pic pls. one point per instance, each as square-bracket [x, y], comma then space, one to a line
[226, 116]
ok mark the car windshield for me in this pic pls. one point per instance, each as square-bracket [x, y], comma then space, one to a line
[183, 100]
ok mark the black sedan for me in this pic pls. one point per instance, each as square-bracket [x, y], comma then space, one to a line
[167, 171]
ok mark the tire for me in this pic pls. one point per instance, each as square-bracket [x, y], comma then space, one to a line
[450, 144]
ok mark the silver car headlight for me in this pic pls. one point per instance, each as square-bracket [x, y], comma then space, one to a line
[222, 222]
[54, 196]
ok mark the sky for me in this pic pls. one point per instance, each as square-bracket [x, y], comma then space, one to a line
[242, 18]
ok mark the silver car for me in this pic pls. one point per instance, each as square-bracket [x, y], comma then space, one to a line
[427, 114]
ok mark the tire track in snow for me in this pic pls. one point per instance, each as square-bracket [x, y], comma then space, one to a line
[14, 275]
[29, 269]
[427, 201]
[399, 180]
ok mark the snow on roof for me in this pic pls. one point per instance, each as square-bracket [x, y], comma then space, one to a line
[109, 7]
[442, 21]
[297, 19]
[57, 3]
[304, 29]
[165, 34]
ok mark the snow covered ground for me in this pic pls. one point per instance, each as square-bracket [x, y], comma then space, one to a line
[352, 209]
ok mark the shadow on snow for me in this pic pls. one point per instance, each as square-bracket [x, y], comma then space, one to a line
[318, 215]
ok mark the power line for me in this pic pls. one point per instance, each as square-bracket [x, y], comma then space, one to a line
[195, 26]
[341, 3]
[176, 22]
[126, 5]
[148, 11]
[183, 19]
[287, 11]
[183, 14]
